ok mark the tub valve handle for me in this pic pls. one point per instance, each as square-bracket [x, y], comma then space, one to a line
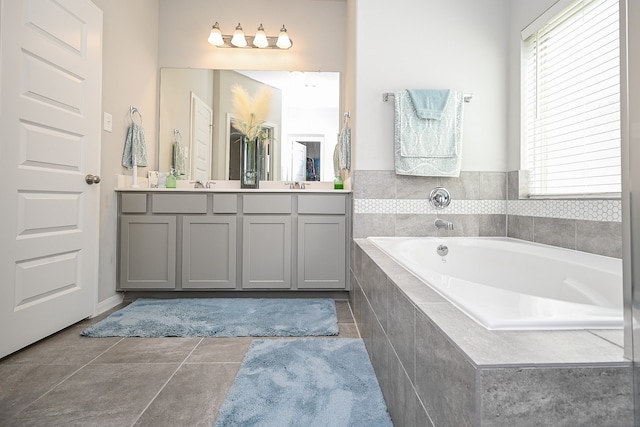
[439, 197]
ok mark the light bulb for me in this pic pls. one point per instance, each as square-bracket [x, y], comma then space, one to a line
[238, 38]
[284, 42]
[215, 36]
[260, 40]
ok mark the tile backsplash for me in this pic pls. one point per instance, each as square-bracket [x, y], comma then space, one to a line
[483, 204]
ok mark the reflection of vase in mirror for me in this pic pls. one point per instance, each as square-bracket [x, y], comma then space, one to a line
[249, 172]
[265, 153]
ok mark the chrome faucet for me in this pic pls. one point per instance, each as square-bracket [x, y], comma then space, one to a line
[198, 184]
[442, 224]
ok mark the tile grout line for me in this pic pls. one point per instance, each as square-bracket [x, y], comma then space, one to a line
[354, 319]
[65, 378]
[166, 382]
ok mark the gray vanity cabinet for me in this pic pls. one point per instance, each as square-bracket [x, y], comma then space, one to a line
[147, 252]
[209, 255]
[209, 252]
[322, 242]
[266, 241]
[186, 241]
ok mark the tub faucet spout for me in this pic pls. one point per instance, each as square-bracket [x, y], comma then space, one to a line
[441, 223]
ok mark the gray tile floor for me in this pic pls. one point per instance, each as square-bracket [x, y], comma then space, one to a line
[69, 380]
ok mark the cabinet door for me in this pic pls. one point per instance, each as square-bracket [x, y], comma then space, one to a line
[147, 252]
[321, 252]
[266, 252]
[209, 252]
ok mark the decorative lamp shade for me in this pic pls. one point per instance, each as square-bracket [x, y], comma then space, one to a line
[284, 42]
[238, 39]
[260, 40]
[215, 36]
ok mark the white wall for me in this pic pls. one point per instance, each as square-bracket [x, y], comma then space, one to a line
[130, 75]
[459, 44]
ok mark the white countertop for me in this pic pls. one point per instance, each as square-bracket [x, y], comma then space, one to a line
[220, 186]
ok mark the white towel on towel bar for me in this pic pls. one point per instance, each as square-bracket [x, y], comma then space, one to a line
[426, 147]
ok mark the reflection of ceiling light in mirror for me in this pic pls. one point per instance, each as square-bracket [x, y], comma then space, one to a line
[260, 40]
[238, 38]
[296, 75]
[215, 37]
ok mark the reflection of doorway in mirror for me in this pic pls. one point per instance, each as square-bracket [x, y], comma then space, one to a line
[298, 161]
[312, 160]
[234, 153]
[201, 129]
[265, 155]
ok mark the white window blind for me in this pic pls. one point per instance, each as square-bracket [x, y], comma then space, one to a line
[573, 102]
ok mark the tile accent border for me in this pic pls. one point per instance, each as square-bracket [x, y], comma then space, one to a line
[587, 210]
[417, 207]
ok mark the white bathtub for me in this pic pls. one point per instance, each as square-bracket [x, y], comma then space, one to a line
[510, 284]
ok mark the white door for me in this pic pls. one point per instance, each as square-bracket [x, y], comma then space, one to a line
[299, 161]
[51, 59]
[201, 127]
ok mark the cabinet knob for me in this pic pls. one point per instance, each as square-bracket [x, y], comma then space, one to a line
[92, 179]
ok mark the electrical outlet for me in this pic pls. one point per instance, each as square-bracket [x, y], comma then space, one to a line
[108, 122]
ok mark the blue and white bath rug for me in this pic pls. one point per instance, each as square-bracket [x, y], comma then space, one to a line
[311, 382]
[220, 317]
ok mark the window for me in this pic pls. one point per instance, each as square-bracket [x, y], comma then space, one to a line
[572, 102]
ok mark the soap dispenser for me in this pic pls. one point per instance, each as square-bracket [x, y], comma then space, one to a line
[171, 179]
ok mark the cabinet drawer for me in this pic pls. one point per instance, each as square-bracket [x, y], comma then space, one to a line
[225, 203]
[179, 203]
[133, 203]
[266, 203]
[321, 204]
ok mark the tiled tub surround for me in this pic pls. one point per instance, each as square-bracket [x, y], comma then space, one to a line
[483, 204]
[438, 367]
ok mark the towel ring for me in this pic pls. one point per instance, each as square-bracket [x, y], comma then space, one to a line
[132, 111]
[177, 135]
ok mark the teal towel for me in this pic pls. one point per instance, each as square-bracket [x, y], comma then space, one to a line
[179, 158]
[344, 142]
[135, 147]
[429, 103]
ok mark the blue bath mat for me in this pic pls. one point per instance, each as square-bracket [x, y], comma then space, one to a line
[305, 382]
[220, 317]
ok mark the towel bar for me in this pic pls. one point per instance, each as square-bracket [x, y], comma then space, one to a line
[385, 96]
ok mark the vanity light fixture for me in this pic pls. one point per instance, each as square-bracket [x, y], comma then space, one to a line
[240, 40]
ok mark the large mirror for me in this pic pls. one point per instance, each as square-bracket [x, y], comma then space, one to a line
[197, 139]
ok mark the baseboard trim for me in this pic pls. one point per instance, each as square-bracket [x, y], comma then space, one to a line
[108, 304]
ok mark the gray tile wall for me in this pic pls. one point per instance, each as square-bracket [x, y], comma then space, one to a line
[585, 225]
[387, 204]
[483, 204]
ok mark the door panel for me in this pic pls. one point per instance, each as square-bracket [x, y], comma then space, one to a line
[201, 126]
[51, 99]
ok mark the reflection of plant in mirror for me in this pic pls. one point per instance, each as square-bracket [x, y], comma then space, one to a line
[250, 113]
